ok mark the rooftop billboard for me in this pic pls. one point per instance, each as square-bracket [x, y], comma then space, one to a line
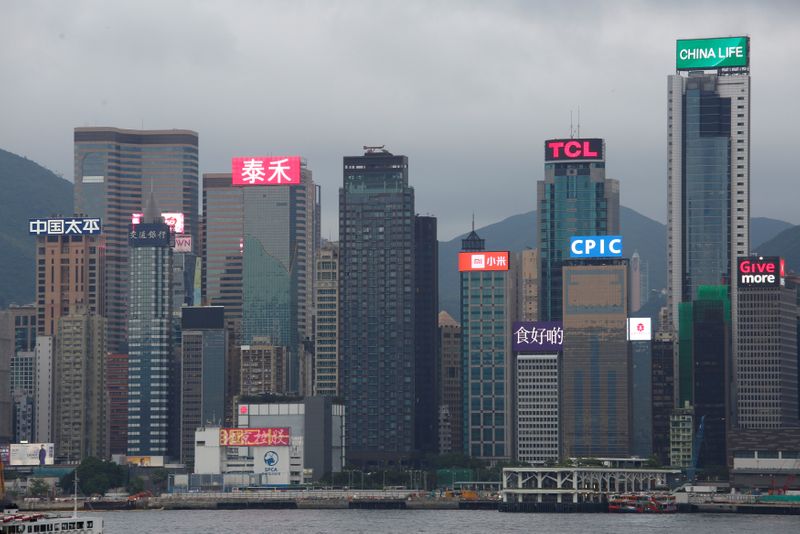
[64, 226]
[483, 261]
[763, 272]
[539, 336]
[31, 454]
[175, 221]
[595, 246]
[265, 170]
[253, 437]
[573, 149]
[713, 53]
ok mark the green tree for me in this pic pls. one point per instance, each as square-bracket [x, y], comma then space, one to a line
[95, 477]
[135, 485]
[38, 488]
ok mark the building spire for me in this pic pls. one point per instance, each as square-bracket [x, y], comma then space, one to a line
[151, 212]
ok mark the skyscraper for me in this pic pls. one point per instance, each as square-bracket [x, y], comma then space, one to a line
[426, 309]
[596, 376]
[117, 387]
[662, 392]
[81, 418]
[6, 354]
[708, 168]
[376, 295]
[204, 344]
[114, 171]
[326, 336]
[528, 285]
[150, 337]
[574, 199]
[278, 265]
[488, 306]
[450, 386]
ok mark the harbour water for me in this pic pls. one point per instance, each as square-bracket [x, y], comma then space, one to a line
[435, 521]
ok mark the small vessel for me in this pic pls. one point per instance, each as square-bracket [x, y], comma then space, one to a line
[15, 522]
[642, 503]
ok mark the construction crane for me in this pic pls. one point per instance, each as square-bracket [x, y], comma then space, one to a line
[698, 442]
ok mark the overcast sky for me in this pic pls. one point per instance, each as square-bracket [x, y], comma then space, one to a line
[467, 90]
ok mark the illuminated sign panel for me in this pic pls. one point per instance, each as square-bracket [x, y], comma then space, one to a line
[183, 243]
[31, 454]
[175, 221]
[145, 461]
[253, 437]
[148, 235]
[763, 272]
[68, 226]
[702, 54]
[540, 336]
[573, 149]
[596, 246]
[272, 170]
[640, 329]
[483, 261]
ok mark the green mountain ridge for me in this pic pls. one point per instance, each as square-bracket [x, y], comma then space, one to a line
[28, 191]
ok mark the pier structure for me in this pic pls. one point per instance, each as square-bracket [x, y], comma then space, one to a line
[578, 485]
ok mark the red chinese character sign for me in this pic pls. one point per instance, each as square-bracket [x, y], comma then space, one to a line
[483, 261]
[253, 437]
[270, 170]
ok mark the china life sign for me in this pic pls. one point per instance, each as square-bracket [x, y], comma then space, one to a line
[539, 336]
[269, 170]
[716, 53]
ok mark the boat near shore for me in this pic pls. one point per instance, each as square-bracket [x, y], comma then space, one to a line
[642, 503]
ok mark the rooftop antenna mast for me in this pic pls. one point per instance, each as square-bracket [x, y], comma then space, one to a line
[571, 130]
[579, 120]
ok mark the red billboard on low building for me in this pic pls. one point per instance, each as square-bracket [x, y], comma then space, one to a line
[483, 261]
[265, 170]
[253, 437]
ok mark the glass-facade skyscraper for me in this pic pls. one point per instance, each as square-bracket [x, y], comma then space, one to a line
[487, 310]
[574, 199]
[376, 295]
[115, 169]
[150, 336]
[426, 278]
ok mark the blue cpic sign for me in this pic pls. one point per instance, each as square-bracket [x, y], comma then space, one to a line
[596, 246]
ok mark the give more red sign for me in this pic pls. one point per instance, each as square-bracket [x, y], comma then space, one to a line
[265, 170]
[754, 271]
[573, 149]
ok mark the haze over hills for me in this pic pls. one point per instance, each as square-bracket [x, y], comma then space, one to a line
[786, 244]
[27, 190]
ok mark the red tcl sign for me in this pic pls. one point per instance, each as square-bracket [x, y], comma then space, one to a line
[573, 149]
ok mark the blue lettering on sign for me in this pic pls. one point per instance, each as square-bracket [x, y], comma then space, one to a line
[596, 246]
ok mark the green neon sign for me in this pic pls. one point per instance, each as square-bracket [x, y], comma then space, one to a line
[703, 54]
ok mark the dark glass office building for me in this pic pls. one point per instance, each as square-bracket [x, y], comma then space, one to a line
[377, 305]
[574, 199]
[705, 368]
[663, 393]
[426, 305]
[115, 170]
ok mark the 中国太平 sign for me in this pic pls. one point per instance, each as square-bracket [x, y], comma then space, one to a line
[716, 53]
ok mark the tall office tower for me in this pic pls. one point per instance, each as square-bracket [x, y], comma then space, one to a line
[537, 408]
[117, 388]
[450, 388]
[528, 285]
[596, 368]
[80, 423]
[150, 333]
[326, 337]
[6, 355]
[636, 282]
[488, 306]
[704, 368]
[222, 244]
[376, 296]
[264, 368]
[708, 167]
[663, 393]
[278, 260]
[23, 396]
[69, 273]
[43, 407]
[24, 318]
[574, 199]
[204, 345]
[426, 310]
[766, 364]
[115, 170]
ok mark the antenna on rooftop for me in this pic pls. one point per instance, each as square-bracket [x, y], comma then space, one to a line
[579, 120]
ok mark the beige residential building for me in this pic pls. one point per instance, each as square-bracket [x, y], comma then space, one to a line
[263, 368]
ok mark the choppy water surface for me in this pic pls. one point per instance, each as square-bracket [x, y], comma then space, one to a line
[461, 522]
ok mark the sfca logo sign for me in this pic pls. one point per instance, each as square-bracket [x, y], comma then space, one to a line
[602, 246]
[269, 170]
[640, 329]
[483, 261]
